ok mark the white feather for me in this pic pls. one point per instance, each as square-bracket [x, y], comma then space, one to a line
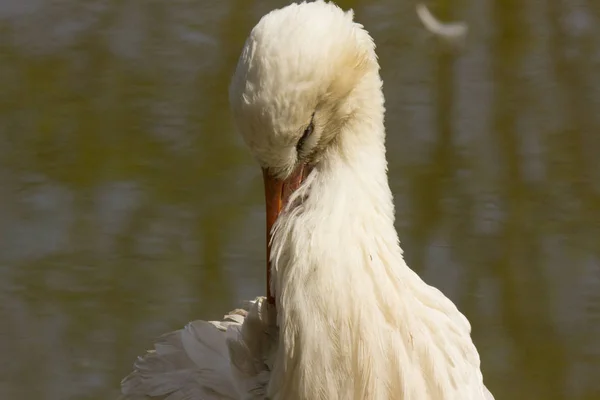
[208, 360]
[453, 31]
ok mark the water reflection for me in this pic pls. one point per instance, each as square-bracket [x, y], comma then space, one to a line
[128, 205]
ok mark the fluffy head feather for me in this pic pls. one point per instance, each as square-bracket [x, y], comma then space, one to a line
[299, 63]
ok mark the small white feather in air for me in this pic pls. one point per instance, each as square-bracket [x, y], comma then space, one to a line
[455, 32]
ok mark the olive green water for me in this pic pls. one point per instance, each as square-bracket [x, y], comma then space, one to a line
[128, 205]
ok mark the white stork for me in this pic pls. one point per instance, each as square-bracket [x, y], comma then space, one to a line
[344, 317]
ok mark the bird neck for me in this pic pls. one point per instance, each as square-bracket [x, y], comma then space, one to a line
[339, 226]
[347, 303]
[340, 236]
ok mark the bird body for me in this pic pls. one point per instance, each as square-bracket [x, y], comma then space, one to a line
[348, 318]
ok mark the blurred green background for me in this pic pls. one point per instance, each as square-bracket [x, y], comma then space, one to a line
[128, 204]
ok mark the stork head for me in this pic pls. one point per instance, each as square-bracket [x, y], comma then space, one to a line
[292, 92]
[297, 71]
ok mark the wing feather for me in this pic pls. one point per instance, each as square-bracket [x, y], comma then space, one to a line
[208, 360]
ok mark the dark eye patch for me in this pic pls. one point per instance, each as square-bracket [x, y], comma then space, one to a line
[307, 132]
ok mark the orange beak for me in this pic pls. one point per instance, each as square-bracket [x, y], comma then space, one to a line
[277, 194]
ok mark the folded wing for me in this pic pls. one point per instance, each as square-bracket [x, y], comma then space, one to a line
[215, 360]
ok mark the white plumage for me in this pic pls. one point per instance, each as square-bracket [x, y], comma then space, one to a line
[352, 321]
[209, 360]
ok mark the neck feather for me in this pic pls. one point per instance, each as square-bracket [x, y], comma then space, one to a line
[348, 306]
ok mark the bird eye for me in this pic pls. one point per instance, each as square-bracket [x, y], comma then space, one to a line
[307, 132]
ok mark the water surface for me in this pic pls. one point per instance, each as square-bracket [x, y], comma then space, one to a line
[128, 204]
